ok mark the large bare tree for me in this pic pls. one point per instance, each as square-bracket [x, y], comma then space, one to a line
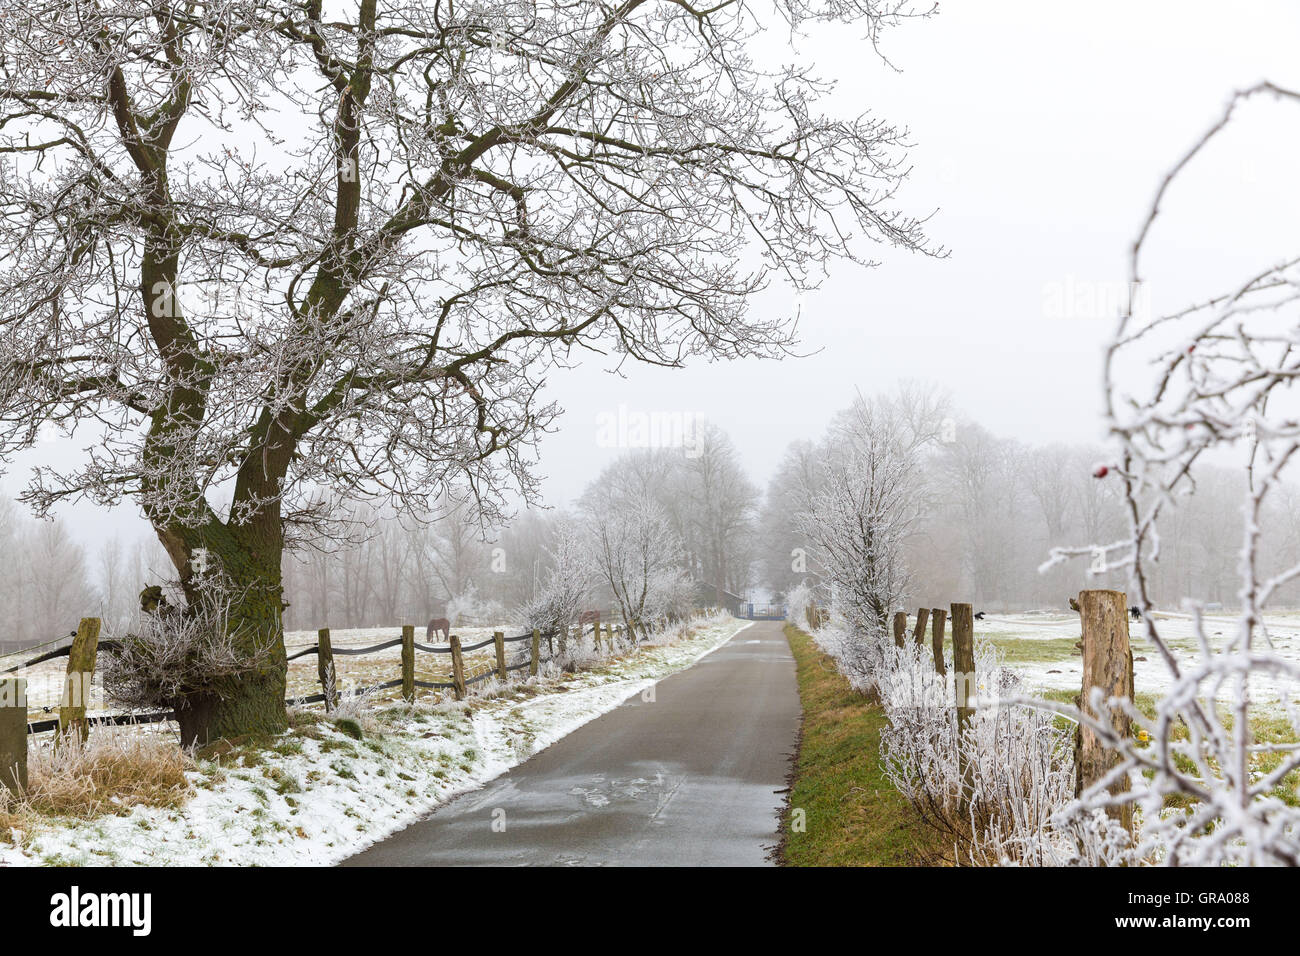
[274, 253]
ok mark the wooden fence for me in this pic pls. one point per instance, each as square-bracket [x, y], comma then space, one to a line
[83, 651]
[1107, 664]
[456, 681]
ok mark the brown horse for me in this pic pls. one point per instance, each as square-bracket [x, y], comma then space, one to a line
[436, 625]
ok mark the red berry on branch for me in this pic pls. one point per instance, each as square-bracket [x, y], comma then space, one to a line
[1101, 472]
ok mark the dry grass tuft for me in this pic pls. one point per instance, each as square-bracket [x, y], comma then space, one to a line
[14, 823]
[108, 774]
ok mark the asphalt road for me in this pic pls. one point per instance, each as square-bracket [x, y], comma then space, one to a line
[691, 778]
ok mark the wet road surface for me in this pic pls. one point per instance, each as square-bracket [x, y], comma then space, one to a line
[691, 777]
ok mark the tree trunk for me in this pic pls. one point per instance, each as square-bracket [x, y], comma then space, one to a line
[249, 705]
[252, 702]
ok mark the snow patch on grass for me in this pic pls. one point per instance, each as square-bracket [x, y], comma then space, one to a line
[1040, 647]
[318, 794]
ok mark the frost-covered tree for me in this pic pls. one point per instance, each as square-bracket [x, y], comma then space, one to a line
[121, 576]
[717, 505]
[46, 587]
[863, 502]
[634, 547]
[274, 253]
[564, 591]
[55, 581]
[783, 561]
[672, 595]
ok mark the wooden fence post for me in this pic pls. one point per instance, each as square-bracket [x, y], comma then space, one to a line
[329, 678]
[1108, 664]
[963, 661]
[13, 733]
[499, 639]
[963, 673]
[922, 619]
[77, 684]
[408, 663]
[938, 615]
[536, 657]
[457, 667]
[900, 628]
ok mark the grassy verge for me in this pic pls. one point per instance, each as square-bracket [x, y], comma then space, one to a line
[851, 815]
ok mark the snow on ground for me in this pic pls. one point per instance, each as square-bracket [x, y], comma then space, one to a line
[320, 794]
[1040, 646]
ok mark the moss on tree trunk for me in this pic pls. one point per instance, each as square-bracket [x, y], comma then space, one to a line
[248, 569]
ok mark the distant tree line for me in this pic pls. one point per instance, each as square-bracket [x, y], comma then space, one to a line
[989, 510]
[684, 512]
[51, 579]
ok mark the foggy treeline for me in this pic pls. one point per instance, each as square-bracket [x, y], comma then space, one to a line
[991, 509]
[405, 571]
[51, 581]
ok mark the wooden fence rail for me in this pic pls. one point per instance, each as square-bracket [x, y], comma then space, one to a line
[85, 647]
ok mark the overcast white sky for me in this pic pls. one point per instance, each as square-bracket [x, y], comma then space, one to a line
[1041, 131]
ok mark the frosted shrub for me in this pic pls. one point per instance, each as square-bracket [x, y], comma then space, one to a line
[861, 658]
[671, 596]
[179, 651]
[551, 612]
[355, 705]
[1236, 814]
[992, 791]
[566, 588]
[796, 604]
[578, 656]
[672, 631]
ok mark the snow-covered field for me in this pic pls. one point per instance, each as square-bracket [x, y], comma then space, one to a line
[1040, 646]
[321, 794]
